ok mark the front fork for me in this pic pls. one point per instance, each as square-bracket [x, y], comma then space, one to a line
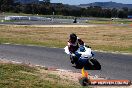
[90, 60]
[92, 54]
[73, 59]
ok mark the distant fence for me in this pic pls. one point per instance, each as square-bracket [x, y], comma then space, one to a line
[2, 17]
[31, 18]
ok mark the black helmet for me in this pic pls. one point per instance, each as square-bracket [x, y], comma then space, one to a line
[73, 38]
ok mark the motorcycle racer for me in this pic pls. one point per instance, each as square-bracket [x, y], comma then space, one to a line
[73, 44]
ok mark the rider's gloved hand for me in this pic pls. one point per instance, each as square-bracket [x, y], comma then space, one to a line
[73, 54]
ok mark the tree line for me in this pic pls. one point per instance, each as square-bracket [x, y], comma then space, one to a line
[47, 8]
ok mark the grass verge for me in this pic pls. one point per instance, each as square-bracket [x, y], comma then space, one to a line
[24, 76]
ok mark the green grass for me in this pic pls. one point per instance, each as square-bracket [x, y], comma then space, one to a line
[61, 44]
[112, 48]
[27, 41]
[121, 21]
[8, 20]
[23, 76]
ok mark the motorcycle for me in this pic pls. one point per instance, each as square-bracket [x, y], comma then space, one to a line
[83, 57]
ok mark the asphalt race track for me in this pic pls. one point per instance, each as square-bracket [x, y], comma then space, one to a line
[114, 66]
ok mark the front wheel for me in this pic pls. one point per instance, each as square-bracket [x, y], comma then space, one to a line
[96, 64]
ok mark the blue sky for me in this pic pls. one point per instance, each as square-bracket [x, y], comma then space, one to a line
[77, 2]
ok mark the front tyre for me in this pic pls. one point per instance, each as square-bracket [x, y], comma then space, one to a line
[96, 64]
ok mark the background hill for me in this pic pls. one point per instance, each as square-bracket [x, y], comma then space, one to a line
[107, 5]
